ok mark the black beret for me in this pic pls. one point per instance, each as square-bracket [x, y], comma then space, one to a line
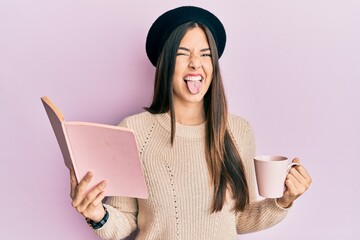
[170, 20]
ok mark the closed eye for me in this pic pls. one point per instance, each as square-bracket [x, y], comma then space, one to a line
[182, 54]
[206, 52]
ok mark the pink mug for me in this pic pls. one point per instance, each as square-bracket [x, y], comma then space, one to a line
[271, 173]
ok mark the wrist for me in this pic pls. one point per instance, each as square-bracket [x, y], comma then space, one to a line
[100, 216]
[281, 202]
[96, 224]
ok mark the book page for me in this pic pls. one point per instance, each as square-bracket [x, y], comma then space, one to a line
[111, 154]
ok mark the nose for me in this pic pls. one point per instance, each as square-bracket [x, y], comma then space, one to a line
[194, 62]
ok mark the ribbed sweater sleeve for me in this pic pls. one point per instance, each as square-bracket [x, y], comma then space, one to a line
[258, 215]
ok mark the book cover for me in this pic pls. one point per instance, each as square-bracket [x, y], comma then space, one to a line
[110, 152]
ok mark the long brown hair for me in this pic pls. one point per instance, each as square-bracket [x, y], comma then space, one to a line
[224, 163]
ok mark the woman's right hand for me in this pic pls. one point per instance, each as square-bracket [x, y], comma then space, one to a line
[89, 204]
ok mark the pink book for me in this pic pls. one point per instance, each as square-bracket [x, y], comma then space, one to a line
[110, 152]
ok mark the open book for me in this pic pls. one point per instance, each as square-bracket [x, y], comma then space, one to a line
[109, 152]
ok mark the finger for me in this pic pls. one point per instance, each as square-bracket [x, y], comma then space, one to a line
[304, 173]
[302, 176]
[95, 209]
[299, 186]
[295, 183]
[295, 173]
[290, 187]
[98, 200]
[91, 196]
[302, 170]
[73, 183]
[80, 189]
[296, 160]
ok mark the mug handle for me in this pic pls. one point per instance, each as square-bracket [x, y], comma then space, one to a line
[291, 165]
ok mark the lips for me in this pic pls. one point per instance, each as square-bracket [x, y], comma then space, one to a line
[194, 82]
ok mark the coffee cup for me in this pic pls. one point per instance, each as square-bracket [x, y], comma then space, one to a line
[271, 173]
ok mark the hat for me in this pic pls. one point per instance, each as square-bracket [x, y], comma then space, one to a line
[170, 20]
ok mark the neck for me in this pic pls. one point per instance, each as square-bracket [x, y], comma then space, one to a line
[189, 114]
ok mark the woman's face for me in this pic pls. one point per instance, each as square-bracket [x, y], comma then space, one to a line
[193, 68]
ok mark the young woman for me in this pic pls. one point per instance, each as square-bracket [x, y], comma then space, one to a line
[197, 158]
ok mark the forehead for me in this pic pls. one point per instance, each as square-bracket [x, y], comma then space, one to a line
[195, 37]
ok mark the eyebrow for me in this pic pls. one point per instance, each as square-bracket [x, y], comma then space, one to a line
[188, 50]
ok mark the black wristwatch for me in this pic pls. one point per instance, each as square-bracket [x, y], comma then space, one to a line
[97, 225]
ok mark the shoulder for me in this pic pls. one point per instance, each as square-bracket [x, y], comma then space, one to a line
[138, 120]
[237, 123]
[240, 129]
[142, 124]
[243, 135]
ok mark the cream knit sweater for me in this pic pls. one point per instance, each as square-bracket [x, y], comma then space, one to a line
[180, 195]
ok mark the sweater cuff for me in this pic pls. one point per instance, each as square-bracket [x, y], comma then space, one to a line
[118, 226]
[282, 208]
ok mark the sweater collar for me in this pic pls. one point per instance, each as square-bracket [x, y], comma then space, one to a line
[186, 131]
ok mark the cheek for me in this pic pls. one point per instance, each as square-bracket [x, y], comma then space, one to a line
[180, 63]
[208, 68]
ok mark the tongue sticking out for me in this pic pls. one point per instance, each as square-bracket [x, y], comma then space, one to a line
[194, 86]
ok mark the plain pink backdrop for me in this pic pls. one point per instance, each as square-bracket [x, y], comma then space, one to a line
[290, 67]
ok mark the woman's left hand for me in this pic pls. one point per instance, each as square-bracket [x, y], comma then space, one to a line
[297, 182]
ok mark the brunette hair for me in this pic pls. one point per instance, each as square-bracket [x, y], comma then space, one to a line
[224, 163]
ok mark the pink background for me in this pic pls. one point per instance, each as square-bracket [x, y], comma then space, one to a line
[290, 67]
